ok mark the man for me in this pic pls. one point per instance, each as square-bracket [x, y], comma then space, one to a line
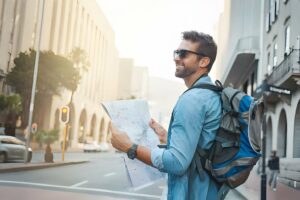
[194, 122]
[273, 164]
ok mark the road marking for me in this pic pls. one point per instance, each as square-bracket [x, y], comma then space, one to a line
[81, 189]
[79, 184]
[110, 174]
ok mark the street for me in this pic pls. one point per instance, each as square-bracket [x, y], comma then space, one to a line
[104, 177]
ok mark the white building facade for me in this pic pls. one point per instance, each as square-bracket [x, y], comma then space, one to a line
[257, 42]
[67, 24]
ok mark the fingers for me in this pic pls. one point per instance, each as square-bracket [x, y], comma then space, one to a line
[153, 124]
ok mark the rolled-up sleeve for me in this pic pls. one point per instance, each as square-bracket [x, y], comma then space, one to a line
[156, 158]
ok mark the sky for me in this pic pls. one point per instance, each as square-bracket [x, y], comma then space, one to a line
[150, 30]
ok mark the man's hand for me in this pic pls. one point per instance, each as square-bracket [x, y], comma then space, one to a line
[159, 130]
[120, 140]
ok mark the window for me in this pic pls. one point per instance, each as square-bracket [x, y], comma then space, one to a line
[245, 87]
[272, 10]
[277, 5]
[275, 58]
[268, 22]
[252, 83]
[287, 40]
[269, 64]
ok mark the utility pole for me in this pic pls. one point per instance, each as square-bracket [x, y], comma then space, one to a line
[35, 73]
[263, 190]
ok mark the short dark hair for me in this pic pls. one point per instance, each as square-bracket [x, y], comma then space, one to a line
[206, 45]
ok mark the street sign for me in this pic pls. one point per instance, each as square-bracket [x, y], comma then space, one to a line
[34, 128]
[64, 114]
[279, 90]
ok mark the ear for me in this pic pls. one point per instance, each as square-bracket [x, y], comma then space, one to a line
[204, 62]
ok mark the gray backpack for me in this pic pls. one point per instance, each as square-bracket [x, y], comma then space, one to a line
[236, 147]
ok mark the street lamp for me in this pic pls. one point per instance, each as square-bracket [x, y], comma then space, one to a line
[35, 73]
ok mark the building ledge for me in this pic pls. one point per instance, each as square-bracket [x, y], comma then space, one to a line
[244, 55]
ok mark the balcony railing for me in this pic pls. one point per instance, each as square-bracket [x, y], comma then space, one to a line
[287, 68]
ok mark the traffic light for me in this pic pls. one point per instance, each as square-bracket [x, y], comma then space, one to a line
[64, 114]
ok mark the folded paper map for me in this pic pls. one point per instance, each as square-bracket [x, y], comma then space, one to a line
[132, 117]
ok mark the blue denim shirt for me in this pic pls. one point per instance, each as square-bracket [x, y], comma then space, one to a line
[196, 117]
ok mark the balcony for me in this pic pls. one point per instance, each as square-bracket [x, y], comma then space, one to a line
[287, 73]
[243, 58]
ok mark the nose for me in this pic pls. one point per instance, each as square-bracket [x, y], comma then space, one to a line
[177, 61]
[176, 58]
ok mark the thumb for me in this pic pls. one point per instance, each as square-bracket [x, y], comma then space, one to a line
[152, 123]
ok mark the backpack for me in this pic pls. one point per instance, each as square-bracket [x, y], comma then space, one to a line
[237, 145]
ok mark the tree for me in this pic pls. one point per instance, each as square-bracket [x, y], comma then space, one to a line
[47, 137]
[55, 72]
[79, 58]
[10, 108]
[81, 63]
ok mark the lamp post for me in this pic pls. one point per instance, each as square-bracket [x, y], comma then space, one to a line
[263, 194]
[263, 187]
[35, 73]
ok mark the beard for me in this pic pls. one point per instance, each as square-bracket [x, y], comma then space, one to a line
[183, 71]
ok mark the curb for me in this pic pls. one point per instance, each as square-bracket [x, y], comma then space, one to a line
[246, 193]
[241, 192]
[15, 167]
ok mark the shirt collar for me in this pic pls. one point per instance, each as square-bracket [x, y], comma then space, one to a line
[204, 79]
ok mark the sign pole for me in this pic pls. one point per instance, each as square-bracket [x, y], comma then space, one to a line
[64, 118]
[64, 143]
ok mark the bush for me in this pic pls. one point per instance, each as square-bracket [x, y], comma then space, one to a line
[47, 137]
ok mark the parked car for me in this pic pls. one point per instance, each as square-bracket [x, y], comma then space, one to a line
[95, 147]
[91, 147]
[13, 149]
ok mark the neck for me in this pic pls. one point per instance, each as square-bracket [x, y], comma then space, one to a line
[190, 80]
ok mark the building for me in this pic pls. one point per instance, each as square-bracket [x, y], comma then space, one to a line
[133, 82]
[259, 43]
[163, 99]
[280, 53]
[238, 44]
[67, 24]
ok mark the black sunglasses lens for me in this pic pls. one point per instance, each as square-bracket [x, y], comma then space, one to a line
[180, 53]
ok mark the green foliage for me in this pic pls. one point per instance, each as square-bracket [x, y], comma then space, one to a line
[54, 72]
[79, 58]
[11, 103]
[3, 102]
[47, 137]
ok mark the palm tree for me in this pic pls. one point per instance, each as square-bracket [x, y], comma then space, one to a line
[81, 63]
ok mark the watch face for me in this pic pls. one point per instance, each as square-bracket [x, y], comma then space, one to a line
[131, 154]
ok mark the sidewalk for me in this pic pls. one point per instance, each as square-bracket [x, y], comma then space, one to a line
[15, 167]
[247, 193]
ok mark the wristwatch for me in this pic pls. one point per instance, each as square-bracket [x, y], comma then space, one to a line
[131, 153]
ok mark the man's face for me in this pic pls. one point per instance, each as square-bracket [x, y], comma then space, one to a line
[189, 64]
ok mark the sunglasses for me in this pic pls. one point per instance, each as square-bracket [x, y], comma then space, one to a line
[182, 53]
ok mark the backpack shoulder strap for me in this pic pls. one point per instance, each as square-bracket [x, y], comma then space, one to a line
[216, 88]
[223, 191]
[209, 87]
